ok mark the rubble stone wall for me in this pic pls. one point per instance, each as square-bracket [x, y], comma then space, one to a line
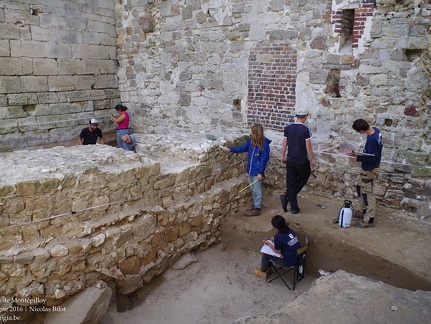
[215, 64]
[78, 215]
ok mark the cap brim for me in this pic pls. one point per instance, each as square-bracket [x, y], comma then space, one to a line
[300, 116]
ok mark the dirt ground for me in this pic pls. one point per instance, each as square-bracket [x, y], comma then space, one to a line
[219, 287]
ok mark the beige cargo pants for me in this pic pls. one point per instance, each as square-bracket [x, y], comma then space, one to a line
[367, 199]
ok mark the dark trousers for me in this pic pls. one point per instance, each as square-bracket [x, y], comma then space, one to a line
[266, 259]
[297, 175]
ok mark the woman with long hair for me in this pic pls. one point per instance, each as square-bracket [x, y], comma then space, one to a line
[284, 243]
[121, 123]
[257, 148]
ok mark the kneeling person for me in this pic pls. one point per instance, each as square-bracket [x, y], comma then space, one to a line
[129, 142]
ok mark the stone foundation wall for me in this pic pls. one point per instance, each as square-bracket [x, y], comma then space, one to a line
[73, 216]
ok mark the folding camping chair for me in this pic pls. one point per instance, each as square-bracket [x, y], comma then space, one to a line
[298, 269]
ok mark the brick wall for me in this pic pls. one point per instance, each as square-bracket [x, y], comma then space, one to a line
[341, 20]
[271, 84]
[365, 10]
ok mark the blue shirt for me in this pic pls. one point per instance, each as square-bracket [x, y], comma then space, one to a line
[296, 135]
[373, 145]
[288, 244]
[132, 145]
[257, 159]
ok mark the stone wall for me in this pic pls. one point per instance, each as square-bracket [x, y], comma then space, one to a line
[58, 69]
[193, 64]
[208, 65]
[73, 216]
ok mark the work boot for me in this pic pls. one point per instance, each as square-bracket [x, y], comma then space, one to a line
[363, 224]
[250, 208]
[357, 216]
[261, 274]
[267, 271]
[294, 210]
[253, 212]
[284, 201]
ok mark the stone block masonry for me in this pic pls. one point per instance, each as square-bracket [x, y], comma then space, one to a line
[58, 69]
[73, 216]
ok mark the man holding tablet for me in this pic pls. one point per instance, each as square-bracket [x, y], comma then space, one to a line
[370, 162]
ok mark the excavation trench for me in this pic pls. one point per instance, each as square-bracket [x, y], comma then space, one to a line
[220, 281]
[376, 257]
[222, 287]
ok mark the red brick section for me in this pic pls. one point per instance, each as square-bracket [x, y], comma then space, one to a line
[365, 9]
[327, 14]
[271, 85]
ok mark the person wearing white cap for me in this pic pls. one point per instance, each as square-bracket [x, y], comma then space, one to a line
[299, 159]
[90, 134]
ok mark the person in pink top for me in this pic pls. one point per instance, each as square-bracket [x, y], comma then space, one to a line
[121, 123]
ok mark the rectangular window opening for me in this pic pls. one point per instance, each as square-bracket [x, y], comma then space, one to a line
[346, 35]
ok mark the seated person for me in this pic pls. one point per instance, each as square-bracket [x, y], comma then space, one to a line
[129, 142]
[285, 242]
[90, 134]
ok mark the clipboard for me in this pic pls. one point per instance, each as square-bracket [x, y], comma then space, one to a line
[267, 250]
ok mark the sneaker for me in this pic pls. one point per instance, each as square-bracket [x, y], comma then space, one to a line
[253, 212]
[294, 210]
[284, 201]
[261, 274]
[363, 224]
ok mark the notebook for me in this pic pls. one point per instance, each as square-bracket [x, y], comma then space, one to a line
[267, 250]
